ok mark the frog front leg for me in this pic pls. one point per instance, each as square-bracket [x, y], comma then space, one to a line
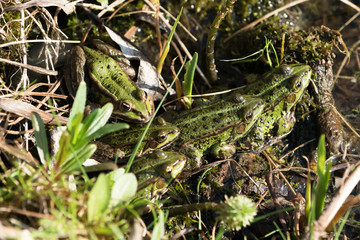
[74, 69]
[223, 150]
[194, 156]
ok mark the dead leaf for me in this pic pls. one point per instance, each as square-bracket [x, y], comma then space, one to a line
[65, 5]
[148, 78]
[24, 109]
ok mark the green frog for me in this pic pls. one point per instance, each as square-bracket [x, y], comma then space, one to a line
[280, 89]
[215, 127]
[108, 82]
[121, 144]
[157, 170]
[154, 171]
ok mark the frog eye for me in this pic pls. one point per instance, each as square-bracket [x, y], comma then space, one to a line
[297, 84]
[125, 107]
[249, 115]
[161, 137]
[145, 95]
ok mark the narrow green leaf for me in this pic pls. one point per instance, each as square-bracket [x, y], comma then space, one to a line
[109, 128]
[159, 230]
[321, 156]
[99, 119]
[64, 149]
[77, 158]
[189, 79]
[308, 197]
[78, 105]
[99, 199]
[323, 172]
[41, 139]
[167, 45]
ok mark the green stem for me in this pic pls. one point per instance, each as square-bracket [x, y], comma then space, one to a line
[182, 209]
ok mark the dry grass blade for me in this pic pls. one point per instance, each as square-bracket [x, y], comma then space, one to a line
[351, 5]
[30, 67]
[38, 41]
[63, 4]
[25, 109]
[17, 152]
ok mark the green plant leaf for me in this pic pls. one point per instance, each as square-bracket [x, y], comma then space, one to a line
[124, 188]
[63, 153]
[159, 230]
[78, 106]
[189, 79]
[41, 139]
[323, 172]
[77, 158]
[114, 175]
[97, 119]
[99, 199]
[109, 128]
[168, 42]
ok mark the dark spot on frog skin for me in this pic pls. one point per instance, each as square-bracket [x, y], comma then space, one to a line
[108, 66]
[195, 129]
[187, 125]
[205, 118]
[221, 114]
[206, 127]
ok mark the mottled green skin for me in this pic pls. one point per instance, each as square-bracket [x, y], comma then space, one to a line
[111, 84]
[123, 142]
[212, 128]
[155, 171]
[280, 89]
